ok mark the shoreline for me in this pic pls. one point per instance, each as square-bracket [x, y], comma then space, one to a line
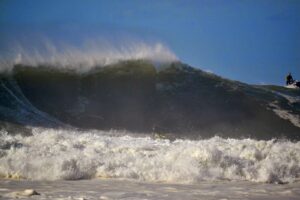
[127, 189]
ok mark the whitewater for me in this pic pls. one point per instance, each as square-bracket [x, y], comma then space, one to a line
[51, 154]
[73, 164]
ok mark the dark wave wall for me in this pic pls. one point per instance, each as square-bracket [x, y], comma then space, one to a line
[136, 96]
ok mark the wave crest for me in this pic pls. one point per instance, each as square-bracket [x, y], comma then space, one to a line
[87, 56]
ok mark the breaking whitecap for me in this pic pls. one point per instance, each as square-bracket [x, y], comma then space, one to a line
[51, 154]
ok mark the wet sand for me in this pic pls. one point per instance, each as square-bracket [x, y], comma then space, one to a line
[124, 189]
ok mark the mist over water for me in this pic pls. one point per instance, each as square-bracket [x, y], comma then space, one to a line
[83, 57]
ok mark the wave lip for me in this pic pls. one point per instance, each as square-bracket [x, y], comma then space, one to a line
[82, 59]
[60, 154]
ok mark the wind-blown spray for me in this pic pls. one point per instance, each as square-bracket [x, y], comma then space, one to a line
[84, 57]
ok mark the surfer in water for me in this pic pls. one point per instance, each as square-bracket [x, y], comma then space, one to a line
[289, 79]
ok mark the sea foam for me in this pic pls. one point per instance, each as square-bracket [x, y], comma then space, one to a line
[70, 155]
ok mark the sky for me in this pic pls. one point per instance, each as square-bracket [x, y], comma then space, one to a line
[253, 41]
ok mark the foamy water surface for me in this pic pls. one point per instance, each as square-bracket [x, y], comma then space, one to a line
[67, 154]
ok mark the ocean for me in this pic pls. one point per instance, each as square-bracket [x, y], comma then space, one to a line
[138, 130]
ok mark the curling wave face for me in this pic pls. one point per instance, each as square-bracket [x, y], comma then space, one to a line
[134, 95]
[68, 154]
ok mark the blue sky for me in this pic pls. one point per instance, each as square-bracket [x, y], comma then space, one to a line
[254, 41]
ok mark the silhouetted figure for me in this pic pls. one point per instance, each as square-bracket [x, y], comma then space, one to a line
[289, 79]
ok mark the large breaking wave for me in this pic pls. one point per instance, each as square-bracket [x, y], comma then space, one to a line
[134, 95]
[154, 119]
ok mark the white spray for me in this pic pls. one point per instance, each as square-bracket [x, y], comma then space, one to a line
[84, 57]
